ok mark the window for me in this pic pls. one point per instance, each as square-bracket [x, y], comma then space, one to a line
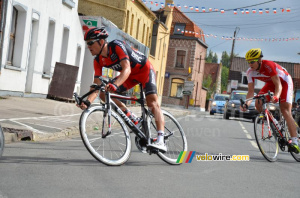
[180, 59]
[17, 29]
[143, 35]
[179, 29]
[12, 36]
[131, 27]
[199, 64]
[49, 48]
[64, 47]
[127, 22]
[176, 87]
[138, 29]
[154, 39]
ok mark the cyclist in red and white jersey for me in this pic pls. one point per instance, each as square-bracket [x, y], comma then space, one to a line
[134, 68]
[278, 81]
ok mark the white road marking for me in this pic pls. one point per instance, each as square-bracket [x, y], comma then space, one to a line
[43, 117]
[29, 127]
[253, 143]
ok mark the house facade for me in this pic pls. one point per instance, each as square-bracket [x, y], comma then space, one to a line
[185, 63]
[35, 36]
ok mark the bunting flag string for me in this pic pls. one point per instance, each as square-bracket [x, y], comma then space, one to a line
[189, 33]
[222, 10]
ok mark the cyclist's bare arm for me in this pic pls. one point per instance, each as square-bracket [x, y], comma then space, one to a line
[94, 95]
[278, 87]
[126, 70]
[250, 93]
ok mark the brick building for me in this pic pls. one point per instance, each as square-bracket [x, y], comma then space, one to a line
[185, 62]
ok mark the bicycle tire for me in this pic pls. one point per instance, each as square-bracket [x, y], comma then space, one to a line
[175, 143]
[287, 136]
[115, 149]
[267, 145]
[2, 141]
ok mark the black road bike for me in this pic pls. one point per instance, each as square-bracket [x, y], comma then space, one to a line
[270, 133]
[105, 135]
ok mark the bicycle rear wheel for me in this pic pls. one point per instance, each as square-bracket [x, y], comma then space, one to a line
[267, 143]
[2, 141]
[287, 136]
[175, 142]
[112, 150]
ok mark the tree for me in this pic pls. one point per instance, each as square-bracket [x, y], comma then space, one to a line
[224, 78]
[209, 57]
[225, 59]
[211, 87]
[215, 58]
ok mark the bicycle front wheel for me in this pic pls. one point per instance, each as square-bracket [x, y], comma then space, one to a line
[175, 138]
[266, 142]
[112, 150]
[2, 141]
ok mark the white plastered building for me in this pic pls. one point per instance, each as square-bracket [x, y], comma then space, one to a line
[35, 35]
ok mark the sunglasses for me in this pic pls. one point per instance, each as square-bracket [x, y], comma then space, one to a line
[252, 61]
[92, 42]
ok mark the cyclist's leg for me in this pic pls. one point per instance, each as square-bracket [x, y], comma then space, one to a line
[128, 84]
[286, 98]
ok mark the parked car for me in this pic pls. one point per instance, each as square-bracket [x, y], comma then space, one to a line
[217, 105]
[232, 106]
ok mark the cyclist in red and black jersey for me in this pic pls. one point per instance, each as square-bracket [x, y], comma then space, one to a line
[277, 80]
[134, 68]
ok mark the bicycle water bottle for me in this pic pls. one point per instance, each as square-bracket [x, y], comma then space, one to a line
[277, 124]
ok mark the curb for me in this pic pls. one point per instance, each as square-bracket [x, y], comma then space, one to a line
[16, 135]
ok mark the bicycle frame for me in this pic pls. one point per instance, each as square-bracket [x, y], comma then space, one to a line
[110, 104]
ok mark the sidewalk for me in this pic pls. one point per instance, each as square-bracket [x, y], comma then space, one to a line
[43, 119]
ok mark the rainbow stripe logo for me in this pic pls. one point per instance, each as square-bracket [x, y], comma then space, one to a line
[189, 157]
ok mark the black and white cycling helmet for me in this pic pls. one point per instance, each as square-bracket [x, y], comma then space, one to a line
[95, 33]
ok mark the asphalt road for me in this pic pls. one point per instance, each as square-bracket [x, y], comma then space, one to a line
[64, 168]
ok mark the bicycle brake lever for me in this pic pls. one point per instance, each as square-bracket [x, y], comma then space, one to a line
[77, 98]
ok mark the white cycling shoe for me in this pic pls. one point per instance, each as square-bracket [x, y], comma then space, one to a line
[159, 145]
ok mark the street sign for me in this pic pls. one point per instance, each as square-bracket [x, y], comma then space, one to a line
[186, 92]
[188, 86]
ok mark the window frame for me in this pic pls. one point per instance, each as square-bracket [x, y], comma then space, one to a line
[176, 96]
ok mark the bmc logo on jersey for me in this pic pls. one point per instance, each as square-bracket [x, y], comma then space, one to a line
[137, 57]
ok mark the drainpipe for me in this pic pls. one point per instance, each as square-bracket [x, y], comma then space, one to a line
[2, 28]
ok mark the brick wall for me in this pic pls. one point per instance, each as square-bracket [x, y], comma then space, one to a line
[193, 52]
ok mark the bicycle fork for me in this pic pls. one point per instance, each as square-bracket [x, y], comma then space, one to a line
[107, 113]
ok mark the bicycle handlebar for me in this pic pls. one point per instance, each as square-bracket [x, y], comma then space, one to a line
[271, 94]
[95, 87]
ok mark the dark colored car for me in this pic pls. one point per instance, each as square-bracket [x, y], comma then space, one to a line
[232, 106]
[217, 105]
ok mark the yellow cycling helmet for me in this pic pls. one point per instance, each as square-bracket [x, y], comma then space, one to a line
[254, 53]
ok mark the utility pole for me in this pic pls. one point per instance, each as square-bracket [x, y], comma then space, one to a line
[237, 29]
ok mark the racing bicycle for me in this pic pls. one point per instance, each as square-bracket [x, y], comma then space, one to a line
[270, 133]
[105, 135]
[2, 141]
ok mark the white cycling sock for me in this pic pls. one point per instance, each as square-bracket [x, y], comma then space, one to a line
[295, 140]
[160, 136]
